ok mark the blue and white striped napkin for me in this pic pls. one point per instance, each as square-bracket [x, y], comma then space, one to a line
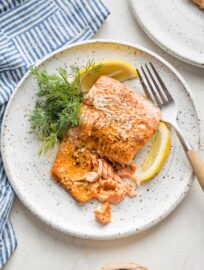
[29, 30]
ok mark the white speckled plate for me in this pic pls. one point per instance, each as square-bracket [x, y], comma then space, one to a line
[29, 173]
[176, 25]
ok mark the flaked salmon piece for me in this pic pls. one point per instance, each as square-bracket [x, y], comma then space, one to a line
[127, 173]
[100, 167]
[112, 197]
[103, 213]
[131, 192]
[116, 121]
[94, 160]
[117, 178]
[133, 178]
[200, 3]
[117, 197]
[91, 177]
[133, 167]
[72, 170]
[105, 170]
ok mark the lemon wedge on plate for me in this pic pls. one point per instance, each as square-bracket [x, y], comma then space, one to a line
[152, 157]
[119, 70]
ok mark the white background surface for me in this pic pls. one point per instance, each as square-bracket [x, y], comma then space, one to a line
[175, 244]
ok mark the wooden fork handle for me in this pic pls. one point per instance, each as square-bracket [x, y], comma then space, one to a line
[195, 160]
[197, 165]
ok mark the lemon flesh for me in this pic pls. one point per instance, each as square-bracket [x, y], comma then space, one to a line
[151, 159]
[119, 70]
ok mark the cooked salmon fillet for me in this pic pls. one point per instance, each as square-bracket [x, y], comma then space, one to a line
[74, 167]
[94, 158]
[116, 121]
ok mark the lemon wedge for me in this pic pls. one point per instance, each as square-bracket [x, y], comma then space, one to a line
[151, 159]
[119, 70]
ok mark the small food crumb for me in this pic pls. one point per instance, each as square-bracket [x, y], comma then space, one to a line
[103, 213]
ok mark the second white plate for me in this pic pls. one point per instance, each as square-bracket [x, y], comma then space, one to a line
[177, 26]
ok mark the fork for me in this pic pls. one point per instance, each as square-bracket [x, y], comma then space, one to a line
[157, 92]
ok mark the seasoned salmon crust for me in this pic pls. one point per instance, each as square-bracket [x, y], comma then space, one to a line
[116, 121]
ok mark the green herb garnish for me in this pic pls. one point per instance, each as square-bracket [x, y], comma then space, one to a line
[58, 105]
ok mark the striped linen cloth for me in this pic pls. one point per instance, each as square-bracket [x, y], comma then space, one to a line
[29, 30]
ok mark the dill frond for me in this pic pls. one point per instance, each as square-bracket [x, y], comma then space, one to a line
[58, 103]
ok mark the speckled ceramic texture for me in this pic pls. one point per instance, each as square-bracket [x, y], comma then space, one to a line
[29, 173]
[177, 26]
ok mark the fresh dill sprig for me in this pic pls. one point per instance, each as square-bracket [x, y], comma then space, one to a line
[77, 73]
[58, 103]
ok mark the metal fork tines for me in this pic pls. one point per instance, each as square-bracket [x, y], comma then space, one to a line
[154, 87]
[156, 90]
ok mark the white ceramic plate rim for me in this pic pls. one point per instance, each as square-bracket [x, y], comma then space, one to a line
[24, 198]
[165, 47]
